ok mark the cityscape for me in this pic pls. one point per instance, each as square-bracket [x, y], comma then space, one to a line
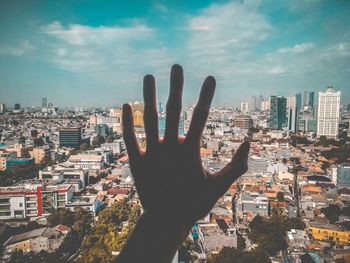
[67, 192]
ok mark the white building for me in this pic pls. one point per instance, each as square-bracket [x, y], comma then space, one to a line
[328, 113]
[86, 161]
[291, 102]
[244, 107]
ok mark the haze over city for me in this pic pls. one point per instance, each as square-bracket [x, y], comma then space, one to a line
[84, 53]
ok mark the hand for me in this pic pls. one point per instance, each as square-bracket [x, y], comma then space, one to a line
[169, 176]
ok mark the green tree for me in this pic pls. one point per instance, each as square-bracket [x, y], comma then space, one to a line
[332, 212]
[84, 147]
[280, 196]
[109, 138]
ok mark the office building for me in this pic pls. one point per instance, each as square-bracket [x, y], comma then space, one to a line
[328, 113]
[260, 100]
[298, 100]
[291, 101]
[44, 102]
[311, 99]
[265, 105]
[343, 175]
[2, 108]
[252, 103]
[277, 112]
[244, 107]
[293, 119]
[103, 130]
[306, 98]
[17, 106]
[70, 137]
[243, 122]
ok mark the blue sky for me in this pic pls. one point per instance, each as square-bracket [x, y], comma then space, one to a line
[97, 52]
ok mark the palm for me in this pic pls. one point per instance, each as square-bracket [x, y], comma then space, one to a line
[169, 176]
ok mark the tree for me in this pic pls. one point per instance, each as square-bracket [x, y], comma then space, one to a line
[280, 196]
[84, 147]
[332, 212]
[109, 232]
[229, 255]
[38, 142]
[34, 133]
[109, 138]
[323, 140]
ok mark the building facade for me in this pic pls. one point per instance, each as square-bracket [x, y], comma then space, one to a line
[277, 112]
[328, 113]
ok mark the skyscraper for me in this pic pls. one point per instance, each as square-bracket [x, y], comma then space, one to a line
[328, 113]
[311, 99]
[277, 112]
[298, 100]
[44, 102]
[252, 103]
[70, 137]
[293, 119]
[306, 98]
[260, 100]
[2, 108]
[244, 106]
[291, 101]
[17, 106]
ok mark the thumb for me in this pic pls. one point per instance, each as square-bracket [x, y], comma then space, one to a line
[223, 179]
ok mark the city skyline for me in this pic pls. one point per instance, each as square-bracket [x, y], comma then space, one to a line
[88, 55]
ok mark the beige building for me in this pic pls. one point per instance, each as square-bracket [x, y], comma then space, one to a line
[4, 156]
[19, 149]
[137, 109]
[40, 154]
[47, 239]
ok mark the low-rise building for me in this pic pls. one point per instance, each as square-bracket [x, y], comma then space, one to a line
[329, 233]
[33, 199]
[42, 239]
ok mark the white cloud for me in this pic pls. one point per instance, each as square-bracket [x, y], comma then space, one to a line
[160, 7]
[296, 49]
[10, 50]
[77, 34]
[276, 70]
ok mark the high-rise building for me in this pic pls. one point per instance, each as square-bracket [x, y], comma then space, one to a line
[277, 112]
[243, 122]
[252, 103]
[2, 108]
[293, 119]
[265, 105]
[44, 102]
[298, 100]
[328, 113]
[244, 107]
[70, 137]
[311, 99]
[306, 98]
[260, 100]
[17, 106]
[291, 102]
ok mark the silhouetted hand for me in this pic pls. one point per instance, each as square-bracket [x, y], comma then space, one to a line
[169, 177]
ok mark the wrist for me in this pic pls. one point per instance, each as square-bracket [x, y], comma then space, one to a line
[156, 238]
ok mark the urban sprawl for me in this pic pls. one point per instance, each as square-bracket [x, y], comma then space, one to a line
[67, 193]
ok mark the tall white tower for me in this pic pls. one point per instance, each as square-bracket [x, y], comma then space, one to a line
[328, 113]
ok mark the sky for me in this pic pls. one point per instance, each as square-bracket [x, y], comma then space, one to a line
[95, 53]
